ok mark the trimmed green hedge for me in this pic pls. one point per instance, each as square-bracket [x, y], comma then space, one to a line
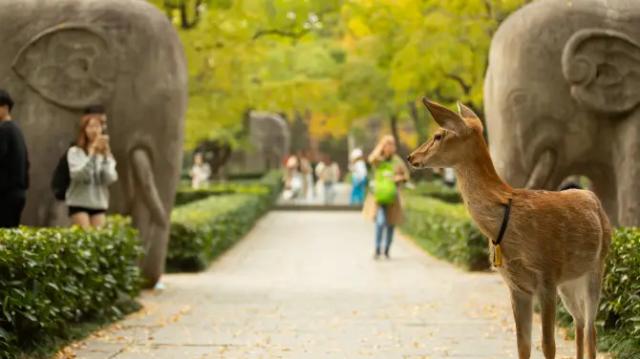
[270, 182]
[620, 305]
[51, 278]
[446, 231]
[621, 289]
[437, 189]
[203, 229]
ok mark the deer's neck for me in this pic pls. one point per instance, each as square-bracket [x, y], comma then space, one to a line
[483, 191]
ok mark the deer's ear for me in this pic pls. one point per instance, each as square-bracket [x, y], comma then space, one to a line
[466, 112]
[446, 118]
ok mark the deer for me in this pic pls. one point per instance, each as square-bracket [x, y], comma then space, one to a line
[543, 243]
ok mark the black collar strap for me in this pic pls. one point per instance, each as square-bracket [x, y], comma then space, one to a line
[505, 222]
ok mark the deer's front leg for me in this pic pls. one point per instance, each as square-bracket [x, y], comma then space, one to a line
[548, 299]
[522, 304]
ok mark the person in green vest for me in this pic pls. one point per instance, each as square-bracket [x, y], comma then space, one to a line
[383, 204]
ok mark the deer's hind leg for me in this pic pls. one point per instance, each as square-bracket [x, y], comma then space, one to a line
[571, 294]
[593, 283]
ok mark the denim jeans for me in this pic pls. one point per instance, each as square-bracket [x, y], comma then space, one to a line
[358, 191]
[329, 193]
[381, 226]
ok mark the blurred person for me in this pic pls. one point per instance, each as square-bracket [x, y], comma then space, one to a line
[328, 173]
[571, 182]
[293, 181]
[306, 172]
[14, 166]
[449, 176]
[358, 177]
[92, 169]
[200, 171]
[383, 205]
[313, 161]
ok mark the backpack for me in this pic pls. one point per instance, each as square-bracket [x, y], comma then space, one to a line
[385, 189]
[61, 178]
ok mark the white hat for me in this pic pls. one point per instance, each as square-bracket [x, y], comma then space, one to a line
[355, 154]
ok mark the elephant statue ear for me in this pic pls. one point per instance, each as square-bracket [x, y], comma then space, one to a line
[603, 69]
[72, 66]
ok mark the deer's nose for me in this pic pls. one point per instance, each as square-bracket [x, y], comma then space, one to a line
[410, 158]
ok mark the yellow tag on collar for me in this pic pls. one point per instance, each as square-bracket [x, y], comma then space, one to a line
[497, 256]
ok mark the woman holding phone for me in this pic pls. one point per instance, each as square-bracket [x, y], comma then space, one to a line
[92, 169]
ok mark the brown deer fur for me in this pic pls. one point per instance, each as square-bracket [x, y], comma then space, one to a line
[555, 241]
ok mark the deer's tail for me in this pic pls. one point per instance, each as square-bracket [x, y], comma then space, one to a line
[607, 232]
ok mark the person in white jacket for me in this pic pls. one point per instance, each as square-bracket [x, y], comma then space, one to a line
[92, 169]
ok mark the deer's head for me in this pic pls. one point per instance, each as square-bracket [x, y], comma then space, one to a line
[457, 136]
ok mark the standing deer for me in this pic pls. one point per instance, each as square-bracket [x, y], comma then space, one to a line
[548, 241]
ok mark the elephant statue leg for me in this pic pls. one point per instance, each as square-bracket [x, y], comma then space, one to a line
[627, 163]
[149, 215]
[604, 186]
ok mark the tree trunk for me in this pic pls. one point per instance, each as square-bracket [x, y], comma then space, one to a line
[393, 122]
[185, 22]
[419, 125]
[184, 16]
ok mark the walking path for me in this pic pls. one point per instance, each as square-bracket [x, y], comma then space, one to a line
[304, 285]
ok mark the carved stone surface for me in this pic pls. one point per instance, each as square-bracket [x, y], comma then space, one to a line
[269, 139]
[561, 98]
[61, 56]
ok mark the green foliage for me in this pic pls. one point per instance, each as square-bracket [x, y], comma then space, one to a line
[189, 195]
[51, 278]
[268, 184]
[446, 231]
[621, 289]
[340, 60]
[203, 229]
[437, 189]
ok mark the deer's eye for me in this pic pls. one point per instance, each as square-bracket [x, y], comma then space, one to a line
[437, 137]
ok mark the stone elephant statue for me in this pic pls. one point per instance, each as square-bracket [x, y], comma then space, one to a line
[270, 140]
[561, 98]
[59, 57]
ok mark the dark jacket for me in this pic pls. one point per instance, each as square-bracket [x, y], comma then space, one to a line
[14, 160]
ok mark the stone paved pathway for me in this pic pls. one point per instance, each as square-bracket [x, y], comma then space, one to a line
[304, 285]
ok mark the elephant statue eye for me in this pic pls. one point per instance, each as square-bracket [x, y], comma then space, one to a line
[69, 65]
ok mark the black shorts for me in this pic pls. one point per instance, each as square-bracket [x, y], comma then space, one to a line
[90, 211]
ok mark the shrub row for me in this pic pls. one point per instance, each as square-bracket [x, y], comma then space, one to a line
[437, 189]
[202, 230]
[446, 231]
[269, 183]
[52, 278]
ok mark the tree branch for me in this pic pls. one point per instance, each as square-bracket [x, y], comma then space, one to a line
[278, 32]
[441, 97]
[465, 87]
